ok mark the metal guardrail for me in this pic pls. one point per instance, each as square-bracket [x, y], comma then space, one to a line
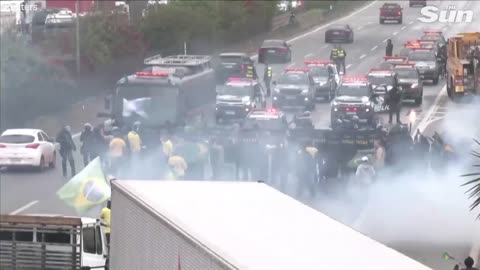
[7, 21]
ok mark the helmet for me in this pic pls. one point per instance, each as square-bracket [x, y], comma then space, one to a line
[364, 159]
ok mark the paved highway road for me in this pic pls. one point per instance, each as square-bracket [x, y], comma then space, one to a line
[28, 192]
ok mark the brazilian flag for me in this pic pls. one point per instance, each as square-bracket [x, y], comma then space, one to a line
[86, 189]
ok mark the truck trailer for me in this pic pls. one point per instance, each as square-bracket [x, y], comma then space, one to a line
[200, 225]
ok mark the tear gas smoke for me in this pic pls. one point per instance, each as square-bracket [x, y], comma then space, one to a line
[418, 206]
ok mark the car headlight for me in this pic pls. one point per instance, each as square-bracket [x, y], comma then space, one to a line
[305, 91]
[415, 85]
[322, 83]
[334, 103]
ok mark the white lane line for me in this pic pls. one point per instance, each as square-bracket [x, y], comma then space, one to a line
[324, 46]
[374, 48]
[327, 25]
[410, 22]
[308, 55]
[363, 56]
[385, 40]
[359, 28]
[444, 28]
[426, 118]
[368, 23]
[291, 65]
[403, 27]
[395, 33]
[23, 208]
[348, 66]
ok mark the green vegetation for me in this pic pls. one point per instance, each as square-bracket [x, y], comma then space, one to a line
[474, 184]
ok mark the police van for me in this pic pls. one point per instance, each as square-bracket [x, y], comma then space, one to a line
[382, 81]
[237, 98]
[353, 100]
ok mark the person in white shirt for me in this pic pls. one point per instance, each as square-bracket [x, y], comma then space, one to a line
[365, 172]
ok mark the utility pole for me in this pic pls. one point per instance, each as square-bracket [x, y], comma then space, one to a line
[77, 35]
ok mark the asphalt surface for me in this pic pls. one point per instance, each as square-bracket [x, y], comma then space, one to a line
[30, 192]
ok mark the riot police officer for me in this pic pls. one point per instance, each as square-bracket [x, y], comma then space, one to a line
[267, 77]
[394, 101]
[341, 54]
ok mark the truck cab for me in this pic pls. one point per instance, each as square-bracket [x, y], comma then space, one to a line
[391, 12]
[52, 242]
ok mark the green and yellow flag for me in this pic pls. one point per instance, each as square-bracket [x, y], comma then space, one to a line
[86, 189]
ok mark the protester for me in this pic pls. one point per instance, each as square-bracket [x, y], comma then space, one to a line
[118, 150]
[67, 147]
[87, 139]
[106, 216]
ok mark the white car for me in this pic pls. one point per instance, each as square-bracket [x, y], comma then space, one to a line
[27, 147]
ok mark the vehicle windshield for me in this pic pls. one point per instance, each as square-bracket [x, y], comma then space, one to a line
[391, 6]
[421, 56]
[432, 37]
[293, 78]
[353, 90]
[319, 72]
[230, 59]
[236, 90]
[152, 105]
[406, 73]
[272, 44]
[17, 139]
[377, 80]
[266, 123]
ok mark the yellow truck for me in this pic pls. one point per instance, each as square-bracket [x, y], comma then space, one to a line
[463, 65]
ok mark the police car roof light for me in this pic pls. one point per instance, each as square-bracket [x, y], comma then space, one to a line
[297, 69]
[151, 74]
[355, 78]
[411, 43]
[318, 62]
[422, 49]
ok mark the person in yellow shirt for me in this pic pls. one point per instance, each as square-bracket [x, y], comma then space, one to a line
[106, 216]
[118, 149]
[134, 140]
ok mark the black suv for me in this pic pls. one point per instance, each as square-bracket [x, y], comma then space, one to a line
[232, 65]
[237, 98]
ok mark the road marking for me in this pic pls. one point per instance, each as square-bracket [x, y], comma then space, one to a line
[348, 66]
[385, 40]
[444, 28]
[403, 27]
[359, 28]
[369, 23]
[363, 56]
[291, 65]
[425, 121]
[395, 33]
[374, 48]
[410, 22]
[324, 46]
[23, 208]
[308, 55]
[326, 25]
